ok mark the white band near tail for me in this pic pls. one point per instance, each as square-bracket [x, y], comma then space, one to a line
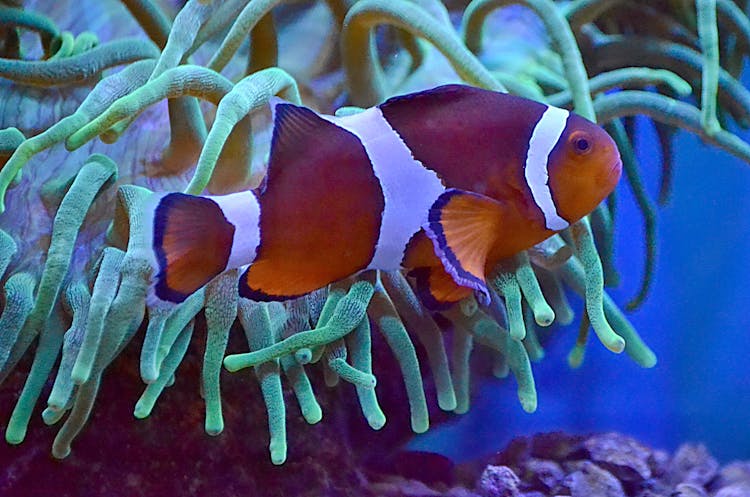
[409, 189]
[243, 211]
[543, 139]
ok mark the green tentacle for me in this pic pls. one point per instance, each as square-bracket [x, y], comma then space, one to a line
[360, 344]
[419, 321]
[586, 251]
[101, 96]
[627, 77]
[221, 311]
[630, 166]
[169, 364]
[76, 300]
[668, 111]
[80, 68]
[363, 71]
[257, 325]
[247, 96]
[181, 81]
[151, 18]
[708, 33]
[19, 301]
[506, 286]
[105, 288]
[96, 173]
[84, 42]
[30, 20]
[386, 316]
[557, 28]
[62, 46]
[348, 313]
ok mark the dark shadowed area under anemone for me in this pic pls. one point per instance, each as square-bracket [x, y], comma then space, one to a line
[104, 102]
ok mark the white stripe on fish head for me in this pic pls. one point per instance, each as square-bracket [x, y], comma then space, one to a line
[543, 139]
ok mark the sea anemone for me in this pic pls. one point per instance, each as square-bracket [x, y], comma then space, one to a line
[88, 137]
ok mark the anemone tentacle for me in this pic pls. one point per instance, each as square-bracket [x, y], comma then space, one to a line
[76, 301]
[96, 274]
[418, 320]
[386, 317]
[364, 73]
[42, 25]
[77, 68]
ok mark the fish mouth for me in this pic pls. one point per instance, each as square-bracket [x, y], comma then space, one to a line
[616, 167]
[608, 177]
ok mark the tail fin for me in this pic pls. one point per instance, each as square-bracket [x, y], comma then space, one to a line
[192, 243]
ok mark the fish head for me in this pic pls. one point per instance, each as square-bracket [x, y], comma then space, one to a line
[584, 168]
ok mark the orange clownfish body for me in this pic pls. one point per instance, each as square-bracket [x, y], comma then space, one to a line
[444, 183]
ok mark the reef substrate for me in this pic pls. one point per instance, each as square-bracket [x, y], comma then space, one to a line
[599, 465]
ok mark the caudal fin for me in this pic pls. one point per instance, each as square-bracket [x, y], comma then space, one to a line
[192, 241]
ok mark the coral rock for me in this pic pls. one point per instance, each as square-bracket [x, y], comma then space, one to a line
[593, 480]
[692, 464]
[545, 475]
[499, 481]
[622, 456]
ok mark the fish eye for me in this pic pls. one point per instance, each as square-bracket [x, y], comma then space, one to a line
[582, 143]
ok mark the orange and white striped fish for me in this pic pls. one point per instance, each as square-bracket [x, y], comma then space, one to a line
[444, 183]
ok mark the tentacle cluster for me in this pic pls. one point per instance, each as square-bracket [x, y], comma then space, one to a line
[82, 315]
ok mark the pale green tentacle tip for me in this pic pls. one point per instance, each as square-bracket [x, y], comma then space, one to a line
[235, 362]
[214, 424]
[10, 140]
[51, 416]
[60, 451]
[543, 314]
[612, 341]
[303, 356]
[15, 433]
[420, 425]
[348, 110]
[351, 374]
[679, 85]
[644, 357]
[527, 398]
[375, 419]
[576, 356]
[142, 409]
[278, 452]
[312, 412]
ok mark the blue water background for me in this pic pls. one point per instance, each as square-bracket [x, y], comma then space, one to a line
[696, 319]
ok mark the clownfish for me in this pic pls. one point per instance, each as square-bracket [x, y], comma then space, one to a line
[444, 183]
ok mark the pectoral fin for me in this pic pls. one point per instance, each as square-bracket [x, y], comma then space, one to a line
[463, 227]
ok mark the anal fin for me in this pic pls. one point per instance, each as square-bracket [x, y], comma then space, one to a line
[437, 289]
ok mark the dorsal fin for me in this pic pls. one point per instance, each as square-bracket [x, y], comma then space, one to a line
[292, 127]
[437, 95]
[321, 210]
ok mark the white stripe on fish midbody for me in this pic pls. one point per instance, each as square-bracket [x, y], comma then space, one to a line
[409, 189]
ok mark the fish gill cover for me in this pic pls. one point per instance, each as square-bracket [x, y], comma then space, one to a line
[106, 103]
